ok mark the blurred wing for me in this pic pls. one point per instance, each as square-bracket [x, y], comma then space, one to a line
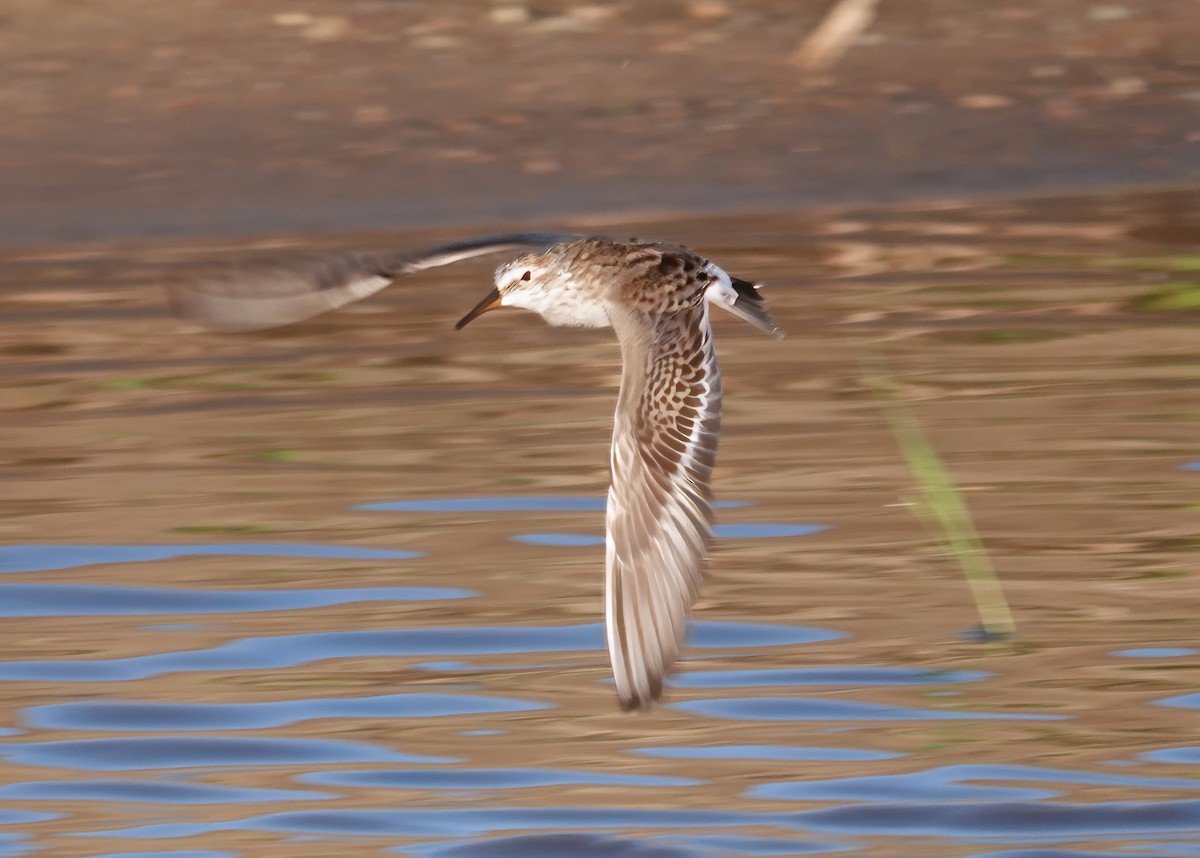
[265, 294]
[659, 503]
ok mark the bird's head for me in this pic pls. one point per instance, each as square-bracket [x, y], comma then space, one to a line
[520, 283]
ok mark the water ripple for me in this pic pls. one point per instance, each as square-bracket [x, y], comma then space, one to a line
[487, 779]
[731, 845]
[79, 600]
[855, 676]
[554, 846]
[1009, 820]
[25, 817]
[1157, 652]
[603, 846]
[1187, 755]
[946, 783]
[129, 754]
[281, 651]
[121, 715]
[43, 558]
[151, 792]
[765, 752]
[821, 709]
[1183, 701]
[13, 844]
[447, 823]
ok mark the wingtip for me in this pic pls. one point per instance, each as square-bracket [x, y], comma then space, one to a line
[636, 704]
[641, 699]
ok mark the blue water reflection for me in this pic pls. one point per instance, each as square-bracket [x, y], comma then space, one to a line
[589, 845]
[555, 845]
[25, 817]
[78, 600]
[1157, 652]
[13, 844]
[1183, 701]
[1007, 821]
[132, 754]
[825, 709]
[133, 716]
[765, 752]
[262, 653]
[151, 792]
[43, 558]
[561, 540]
[455, 823]
[733, 845]
[854, 676]
[950, 783]
[487, 779]
[1186, 755]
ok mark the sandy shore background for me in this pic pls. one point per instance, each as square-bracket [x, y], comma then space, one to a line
[128, 118]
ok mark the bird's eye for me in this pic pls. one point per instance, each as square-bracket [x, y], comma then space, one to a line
[526, 275]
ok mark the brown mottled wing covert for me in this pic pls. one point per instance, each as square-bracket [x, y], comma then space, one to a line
[659, 503]
[253, 295]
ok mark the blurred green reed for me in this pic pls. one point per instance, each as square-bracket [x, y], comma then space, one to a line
[940, 504]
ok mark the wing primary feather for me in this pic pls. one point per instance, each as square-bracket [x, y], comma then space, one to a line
[268, 293]
[659, 512]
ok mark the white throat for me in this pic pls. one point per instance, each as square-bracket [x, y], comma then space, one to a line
[561, 304]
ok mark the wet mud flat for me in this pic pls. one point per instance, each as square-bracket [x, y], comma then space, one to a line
[337, 588]
[126, 119]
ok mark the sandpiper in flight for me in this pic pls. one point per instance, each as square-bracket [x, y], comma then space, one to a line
[655, 297]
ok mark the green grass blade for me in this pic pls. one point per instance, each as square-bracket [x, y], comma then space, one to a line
[942, 507]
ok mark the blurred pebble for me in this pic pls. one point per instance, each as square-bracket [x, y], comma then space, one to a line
[543, 165]
[292, 19]
[509, 16]
[592, 13]
[1044, 72]
[437, 42]
[984, 101]
[371, 114]
[1109, 12]
[563, 24]
[708, 10]
[326, 29]
[1123, 87]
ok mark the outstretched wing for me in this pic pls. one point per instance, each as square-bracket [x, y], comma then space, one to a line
[250, 296]
[659, 503]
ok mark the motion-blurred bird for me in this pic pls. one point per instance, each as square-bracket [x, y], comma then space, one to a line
[656, 297]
